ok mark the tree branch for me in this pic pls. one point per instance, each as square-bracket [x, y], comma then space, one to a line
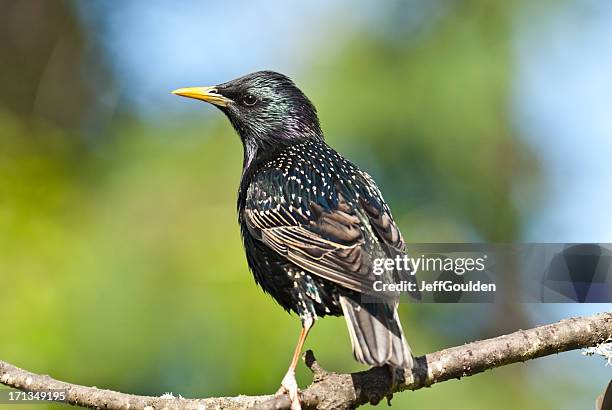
[344, 391]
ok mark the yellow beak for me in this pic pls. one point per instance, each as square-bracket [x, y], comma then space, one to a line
[208, 94]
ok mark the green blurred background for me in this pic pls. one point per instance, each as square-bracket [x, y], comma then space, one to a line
[121, 264]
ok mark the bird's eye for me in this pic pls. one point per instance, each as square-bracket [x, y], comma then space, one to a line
[249, 100]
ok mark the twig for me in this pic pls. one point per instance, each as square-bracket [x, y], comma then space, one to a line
[345, 391]
[604, 350]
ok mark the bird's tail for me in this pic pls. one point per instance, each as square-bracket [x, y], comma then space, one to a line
[376, 334]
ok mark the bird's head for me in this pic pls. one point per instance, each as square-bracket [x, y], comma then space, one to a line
[266, 108]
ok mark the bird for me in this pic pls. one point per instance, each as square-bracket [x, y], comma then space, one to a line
[312, 222]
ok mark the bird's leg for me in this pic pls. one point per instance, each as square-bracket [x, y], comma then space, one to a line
[289, 384]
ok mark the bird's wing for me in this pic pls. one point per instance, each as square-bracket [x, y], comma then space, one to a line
[379, 216]
[336, 237]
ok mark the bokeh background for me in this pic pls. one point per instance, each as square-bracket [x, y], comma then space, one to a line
[121, 264]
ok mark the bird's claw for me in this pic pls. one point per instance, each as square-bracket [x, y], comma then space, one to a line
[289, 386]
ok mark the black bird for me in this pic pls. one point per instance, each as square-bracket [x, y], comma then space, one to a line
[312, 222]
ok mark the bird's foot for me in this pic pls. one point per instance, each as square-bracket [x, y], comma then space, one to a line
[289, 386]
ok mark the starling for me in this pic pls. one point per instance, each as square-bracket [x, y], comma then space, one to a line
[312, 222]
